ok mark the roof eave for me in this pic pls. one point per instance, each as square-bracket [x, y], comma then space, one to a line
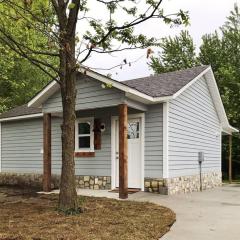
[35, 115]
[230, 130]
[54, 86]
[42, 96]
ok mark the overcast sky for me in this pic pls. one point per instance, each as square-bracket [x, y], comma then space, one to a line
[205, 17]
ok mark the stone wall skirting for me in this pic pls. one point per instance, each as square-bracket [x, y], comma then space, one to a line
[170, 186]
[35, 181]
[188, 184]
[183, 184]
[155, 185]
[93, 182]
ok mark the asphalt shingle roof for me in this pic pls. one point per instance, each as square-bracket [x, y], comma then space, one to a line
[160, 85]
[165, 84]
[20, 111]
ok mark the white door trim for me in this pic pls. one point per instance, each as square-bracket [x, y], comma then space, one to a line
[113, 152]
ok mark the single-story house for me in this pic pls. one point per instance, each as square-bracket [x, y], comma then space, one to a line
[175, 120]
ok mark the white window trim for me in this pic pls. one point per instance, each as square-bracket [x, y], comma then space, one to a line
[83, 120]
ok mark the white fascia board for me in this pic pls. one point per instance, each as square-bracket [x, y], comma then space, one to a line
[21, 117]
[114, 83]
[128, 90]
[42, 96]
[212, 84]
[190, 83]
[233, 129]
[229, 130]
[52, 87]
[165, 139]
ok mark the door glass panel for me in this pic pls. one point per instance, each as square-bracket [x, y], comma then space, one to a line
[133, 130]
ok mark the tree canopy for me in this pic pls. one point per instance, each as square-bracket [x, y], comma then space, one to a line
[19, 78]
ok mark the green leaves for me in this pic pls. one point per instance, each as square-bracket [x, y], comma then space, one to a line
[71, 5]
[20, 79]
[176, 53]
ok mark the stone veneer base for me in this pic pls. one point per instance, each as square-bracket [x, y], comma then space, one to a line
[170, 186]
[183, 184]
[35, 181]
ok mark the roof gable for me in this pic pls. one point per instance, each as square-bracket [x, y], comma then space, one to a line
[157, 88]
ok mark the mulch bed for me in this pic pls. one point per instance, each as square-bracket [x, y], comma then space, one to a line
[27, 215]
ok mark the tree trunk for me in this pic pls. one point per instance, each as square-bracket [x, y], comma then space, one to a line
[68, 194]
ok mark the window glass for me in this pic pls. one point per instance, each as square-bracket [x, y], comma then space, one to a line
[84, 128]
[84, 135]
[133, 130]
[84, 142]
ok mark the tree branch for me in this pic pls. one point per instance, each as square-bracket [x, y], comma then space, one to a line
[33, 61]
[19, 46]
[129, 25]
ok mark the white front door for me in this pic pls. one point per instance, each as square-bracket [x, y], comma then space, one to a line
[134, 153]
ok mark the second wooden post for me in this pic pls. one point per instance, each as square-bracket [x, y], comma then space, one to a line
[123, 151]
[47, 162]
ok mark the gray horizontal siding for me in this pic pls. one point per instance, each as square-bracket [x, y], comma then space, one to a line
[90, 95]
[100, 165]
[21, 146]
[154, 141]
[193, 127]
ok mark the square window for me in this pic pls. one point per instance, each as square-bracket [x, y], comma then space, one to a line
[84, 135]
[84, 128]
[84, 142]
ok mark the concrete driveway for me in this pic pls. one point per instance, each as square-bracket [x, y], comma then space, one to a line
[210, 215]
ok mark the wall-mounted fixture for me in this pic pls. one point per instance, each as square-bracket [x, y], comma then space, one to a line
[102, 127]
[200, 161]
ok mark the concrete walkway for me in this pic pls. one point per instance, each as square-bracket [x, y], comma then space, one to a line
[210, 215]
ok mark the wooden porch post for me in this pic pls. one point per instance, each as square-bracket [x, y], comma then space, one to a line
[123, 151]
[230, 160]
[47, 161]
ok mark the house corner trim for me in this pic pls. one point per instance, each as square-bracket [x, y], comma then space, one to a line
[165, 139]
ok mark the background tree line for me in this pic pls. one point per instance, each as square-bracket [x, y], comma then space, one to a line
[221, 50]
